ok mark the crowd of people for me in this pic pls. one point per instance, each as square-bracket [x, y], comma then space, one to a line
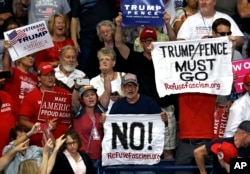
[107, 68]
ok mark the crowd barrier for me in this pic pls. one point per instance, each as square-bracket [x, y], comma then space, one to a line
[165, 166]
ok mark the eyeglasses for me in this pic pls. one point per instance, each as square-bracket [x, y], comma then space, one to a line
[105, 31]
[108, 60]
[71, 143]
[147, 41]
[224, 33]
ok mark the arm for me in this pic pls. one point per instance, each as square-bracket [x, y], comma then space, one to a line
[243, 8]
[105, 97]
[239, 41]
[4, 16]
[74, 31]
[52, 158]
[123, 48]
[235, 117]
[23, 138]
[199, 155]
[6, 57]
[23, 120]
[177, 26]
[171, 33]
[44, 165]
[75, 101]
[6, 158]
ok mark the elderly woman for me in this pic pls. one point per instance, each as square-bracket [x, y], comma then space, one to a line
[57, 27]
[105, 32]
[107, 61]
[70, 159]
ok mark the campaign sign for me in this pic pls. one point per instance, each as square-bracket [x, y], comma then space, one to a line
[28, 39]
[132, 139]
[241, 68]
[202, 65]
[55, 105]
[240, 166]
[142, 13]
[220, 121]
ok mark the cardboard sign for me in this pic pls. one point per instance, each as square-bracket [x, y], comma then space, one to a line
[28, 39]
[55, 105]
[220, 121]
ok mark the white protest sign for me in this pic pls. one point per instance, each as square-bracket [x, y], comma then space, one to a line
[193, 66]
[28, 39]
[132, 139]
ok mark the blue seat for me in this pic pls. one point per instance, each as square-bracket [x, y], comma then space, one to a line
[166, 165]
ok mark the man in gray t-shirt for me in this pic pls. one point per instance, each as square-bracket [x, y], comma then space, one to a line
[42, 9]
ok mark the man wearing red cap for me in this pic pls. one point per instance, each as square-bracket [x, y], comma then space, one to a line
[239, 110]
[141, 65]
[30, 107]
[224, 149]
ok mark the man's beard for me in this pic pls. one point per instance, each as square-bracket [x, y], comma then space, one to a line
[69, 68]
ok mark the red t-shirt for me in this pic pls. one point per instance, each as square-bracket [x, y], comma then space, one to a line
[52, 54]
[7, 118]
[196, 119]
[30, 108]
[19, 85]
[83, 126]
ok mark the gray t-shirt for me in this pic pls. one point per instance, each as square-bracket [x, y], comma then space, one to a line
[39, 10]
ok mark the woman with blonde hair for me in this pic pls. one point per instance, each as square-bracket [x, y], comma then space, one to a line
[28, 166]
[58, 28]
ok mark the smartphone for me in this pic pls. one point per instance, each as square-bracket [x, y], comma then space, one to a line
[82, 81]
[41, 128]
[114, 93]
[5, 74]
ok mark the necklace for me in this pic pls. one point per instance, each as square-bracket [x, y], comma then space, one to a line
[208, 24]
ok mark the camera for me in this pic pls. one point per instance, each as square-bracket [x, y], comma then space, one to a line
[82, 81]
[40, 128]
[5, 74]
[114, 93]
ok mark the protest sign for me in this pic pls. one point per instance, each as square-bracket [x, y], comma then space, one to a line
[193, 66]
[28, 39]
[142, 13]
[220, 121]
[240, 67]
[132, 139]
[55, 105]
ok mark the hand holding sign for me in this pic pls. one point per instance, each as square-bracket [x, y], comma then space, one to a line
[52, 124]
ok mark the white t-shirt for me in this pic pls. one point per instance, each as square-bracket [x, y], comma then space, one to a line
[238, 112]
[98, 81]
[69, 80]
[196, 26]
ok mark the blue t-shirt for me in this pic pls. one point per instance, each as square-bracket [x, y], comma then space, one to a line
[145, 105]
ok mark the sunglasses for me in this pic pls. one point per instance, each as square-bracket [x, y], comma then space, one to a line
[147, 41]
[224, 33]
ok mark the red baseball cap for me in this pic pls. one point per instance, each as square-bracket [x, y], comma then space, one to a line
[247, 78]
[148, 32]
[225, 151]
[45, 68]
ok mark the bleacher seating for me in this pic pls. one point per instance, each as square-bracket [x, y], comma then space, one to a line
[166, 165]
